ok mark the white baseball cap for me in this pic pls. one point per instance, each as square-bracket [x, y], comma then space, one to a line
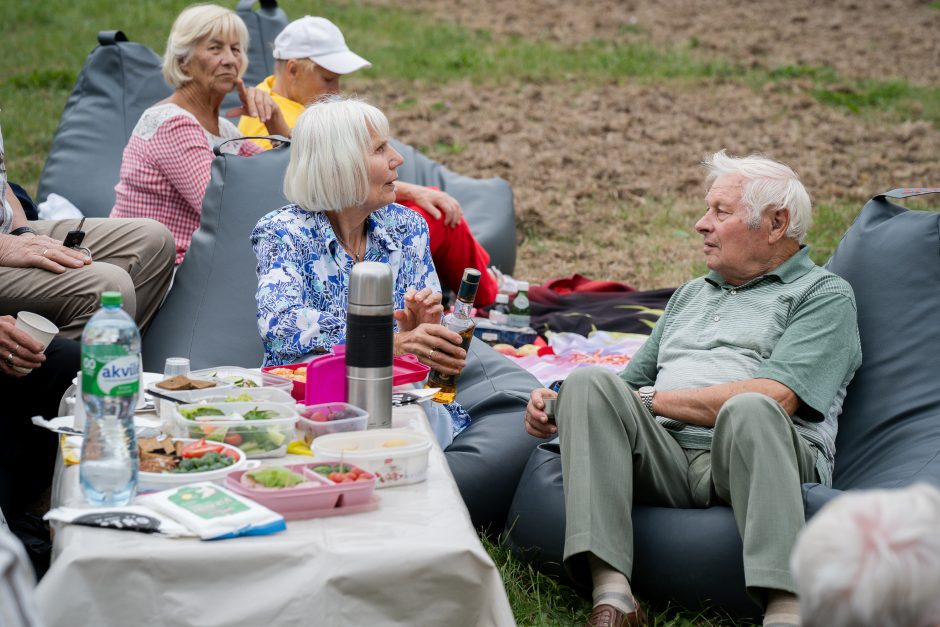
[318, 39]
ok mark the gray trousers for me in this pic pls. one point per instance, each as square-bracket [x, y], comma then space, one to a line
[614, 453]
[134, 257]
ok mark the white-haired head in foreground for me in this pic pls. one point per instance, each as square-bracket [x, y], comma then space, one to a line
[327, 169]
[872, 558]
[769, 185]
[194, 24]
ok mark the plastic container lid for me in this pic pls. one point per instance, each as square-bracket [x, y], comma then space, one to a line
[237, 376]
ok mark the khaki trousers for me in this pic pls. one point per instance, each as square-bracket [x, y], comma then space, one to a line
[134, 257]
[614, 453]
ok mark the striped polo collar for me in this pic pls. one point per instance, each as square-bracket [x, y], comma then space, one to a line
[790, 270]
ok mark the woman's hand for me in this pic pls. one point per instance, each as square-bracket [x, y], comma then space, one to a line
[440, 205]
[434, 346]
[537, 422]
[259, 104]
[17, 348]
[39, 251]
[420, 307]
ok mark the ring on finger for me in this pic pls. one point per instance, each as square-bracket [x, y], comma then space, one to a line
[431, 353]
[44, 251]
[9, 359]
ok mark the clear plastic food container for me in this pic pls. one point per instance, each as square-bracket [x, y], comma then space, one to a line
[244, 378]
[243, 395]
[238, 426]
[326, 418]
[394, 456]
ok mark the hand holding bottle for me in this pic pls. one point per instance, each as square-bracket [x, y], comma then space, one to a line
[435, 346]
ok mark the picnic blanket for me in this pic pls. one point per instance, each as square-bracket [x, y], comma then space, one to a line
[601, 327]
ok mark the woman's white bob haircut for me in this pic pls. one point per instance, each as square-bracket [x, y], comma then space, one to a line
[768, 184]
[193, 25]
[329, 146]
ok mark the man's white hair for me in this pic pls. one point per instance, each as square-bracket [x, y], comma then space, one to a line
[872, 558]
[768, 184]
[329, 145]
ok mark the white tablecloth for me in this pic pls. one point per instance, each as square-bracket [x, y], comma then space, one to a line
[416, 560]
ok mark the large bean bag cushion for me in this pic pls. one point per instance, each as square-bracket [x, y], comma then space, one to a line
[488, 457]
[889, 431]
[119, 80]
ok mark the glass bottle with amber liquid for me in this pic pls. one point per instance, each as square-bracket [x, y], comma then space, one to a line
[458, 321]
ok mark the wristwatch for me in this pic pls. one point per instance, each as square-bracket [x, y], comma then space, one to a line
[21, 230]
[647, 392]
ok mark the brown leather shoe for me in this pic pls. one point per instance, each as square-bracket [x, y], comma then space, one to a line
[609, 616]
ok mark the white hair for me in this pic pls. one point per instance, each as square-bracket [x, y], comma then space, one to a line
[872, 558]
[193, 25]
[328, 169]
[768, 184]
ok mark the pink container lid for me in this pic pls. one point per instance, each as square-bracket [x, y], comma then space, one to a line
[326, 375]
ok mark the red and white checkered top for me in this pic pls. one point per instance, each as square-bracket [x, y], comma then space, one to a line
[166, 168]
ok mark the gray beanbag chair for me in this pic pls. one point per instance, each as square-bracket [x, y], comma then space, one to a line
[889, 432]
[119, 80]
[210, 313]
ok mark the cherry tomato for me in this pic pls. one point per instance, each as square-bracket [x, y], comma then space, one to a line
[234, 439]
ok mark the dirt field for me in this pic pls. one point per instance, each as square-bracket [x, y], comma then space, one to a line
[606, 177]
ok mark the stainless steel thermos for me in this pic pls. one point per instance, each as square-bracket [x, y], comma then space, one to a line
[369, 350]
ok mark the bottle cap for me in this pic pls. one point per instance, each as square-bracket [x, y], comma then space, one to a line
[522, 286]
[468, 285]
[502, 298]
[370, 289]
[110, 299]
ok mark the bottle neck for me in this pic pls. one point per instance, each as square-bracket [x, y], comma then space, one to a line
[462, 308]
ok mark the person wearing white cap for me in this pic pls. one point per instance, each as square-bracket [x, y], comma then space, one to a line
[311, 56]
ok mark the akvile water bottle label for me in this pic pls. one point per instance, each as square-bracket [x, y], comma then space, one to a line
[109, 371]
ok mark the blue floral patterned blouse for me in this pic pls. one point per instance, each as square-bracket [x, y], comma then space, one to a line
[303, 278]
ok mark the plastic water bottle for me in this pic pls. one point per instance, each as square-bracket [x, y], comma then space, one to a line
[110, 387]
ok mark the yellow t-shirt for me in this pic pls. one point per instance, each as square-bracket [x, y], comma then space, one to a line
[289, 108]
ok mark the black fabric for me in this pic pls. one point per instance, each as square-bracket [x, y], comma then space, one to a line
[26, 201]
[583, 312]
[889, 431]
[117, 83]
[27, 452]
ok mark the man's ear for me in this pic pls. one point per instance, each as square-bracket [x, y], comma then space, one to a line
[779, 223]
[292, 68]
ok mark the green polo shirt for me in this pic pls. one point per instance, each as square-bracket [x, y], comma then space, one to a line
[796, 325]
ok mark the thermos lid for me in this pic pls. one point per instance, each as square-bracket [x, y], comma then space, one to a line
[370, 284]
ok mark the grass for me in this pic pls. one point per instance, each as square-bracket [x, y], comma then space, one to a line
[540, 601]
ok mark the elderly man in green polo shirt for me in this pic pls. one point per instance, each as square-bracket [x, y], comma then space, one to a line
[734, 398]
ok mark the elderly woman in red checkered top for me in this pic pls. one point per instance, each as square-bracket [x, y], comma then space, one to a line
[168, 160]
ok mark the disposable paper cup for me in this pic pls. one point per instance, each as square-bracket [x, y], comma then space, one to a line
[38, 328]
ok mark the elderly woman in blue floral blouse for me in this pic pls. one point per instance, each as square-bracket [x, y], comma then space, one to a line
[341, 183]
